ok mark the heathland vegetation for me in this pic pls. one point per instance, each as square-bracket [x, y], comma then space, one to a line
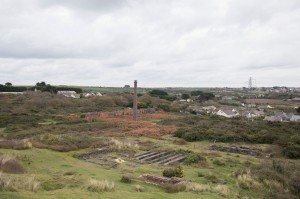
[51, 145]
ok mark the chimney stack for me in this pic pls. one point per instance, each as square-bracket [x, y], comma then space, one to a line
[135, 101]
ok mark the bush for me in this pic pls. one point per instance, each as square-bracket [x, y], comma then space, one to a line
[292, 151]
[99, 186]
[126, 179]
[10, 164]
[15, 144]
[53, 184]
[218, 162]
[173, 172]
[173, 188]
[194, 158]
[13, 183]
[200, 174]
[211, 178]
[180, 142]
[142, 105]
[139, 188]
[31, 184]
[295, 184]
[6, 183]
[197, 188]
[69, 173]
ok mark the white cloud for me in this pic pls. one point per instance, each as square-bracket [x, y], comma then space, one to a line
[160, 43]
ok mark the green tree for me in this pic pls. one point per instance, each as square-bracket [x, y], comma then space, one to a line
[49, 88]
[196, 93]
[142, 105]
[205, 96]
[41, 84]
[8, 84]
[185, 96]
[298, 110]
[158, 93]
[162, 95]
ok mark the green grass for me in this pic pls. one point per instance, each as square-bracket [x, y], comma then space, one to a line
[111, 89]
[63, 176]
[49, 167]
[48, 122]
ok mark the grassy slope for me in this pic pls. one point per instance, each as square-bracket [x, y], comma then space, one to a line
[49, 165]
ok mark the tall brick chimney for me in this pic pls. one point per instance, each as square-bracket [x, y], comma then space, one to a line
[135, 101]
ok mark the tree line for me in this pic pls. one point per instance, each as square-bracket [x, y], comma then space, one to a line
[40, 86]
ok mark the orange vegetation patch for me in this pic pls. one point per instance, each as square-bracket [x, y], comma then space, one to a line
[5, 99]
[158, 116]
[128, 127]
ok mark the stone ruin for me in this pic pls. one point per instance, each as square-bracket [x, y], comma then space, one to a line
[163, 158]
[237, 149]
[92, 154]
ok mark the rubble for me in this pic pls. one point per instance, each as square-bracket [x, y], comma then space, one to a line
[92, 154]
[237, 149]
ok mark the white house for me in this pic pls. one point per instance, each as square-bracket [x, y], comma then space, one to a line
[71, 94]
[252, 114]
[295, 118]
[228, 113]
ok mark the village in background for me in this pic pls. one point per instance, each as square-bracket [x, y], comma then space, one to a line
[135, 142]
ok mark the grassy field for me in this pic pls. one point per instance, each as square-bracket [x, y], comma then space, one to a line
[51, 171]
[62, 176]
[42, 136]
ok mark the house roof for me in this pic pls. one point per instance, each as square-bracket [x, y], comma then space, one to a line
[228, 112]
[273, 118]
[295, 118]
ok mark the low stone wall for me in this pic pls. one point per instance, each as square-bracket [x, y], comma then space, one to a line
[237, 149]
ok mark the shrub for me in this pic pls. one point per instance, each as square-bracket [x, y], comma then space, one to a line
[142, 105]
[12, 183]
[53, 184]
[173, 188]
[180, 142]
[10, 164]
[98, 186]
[194, 158]
[31, 184]
[295, 184]
[126, 179]
[218, 162]
[139, 188]
[6, 183]
[211, 178]
[245, 180]
[198, 188]
[222, 190]
[173, 172]
[277, 166]
[69, 173]
[116, 145]
[200, 174]
[292, 151]
[15, 144]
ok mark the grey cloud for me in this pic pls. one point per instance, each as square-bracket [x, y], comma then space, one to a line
[160, 43]
[90, 5]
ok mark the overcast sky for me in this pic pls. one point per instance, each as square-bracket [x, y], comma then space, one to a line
[188, 43]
